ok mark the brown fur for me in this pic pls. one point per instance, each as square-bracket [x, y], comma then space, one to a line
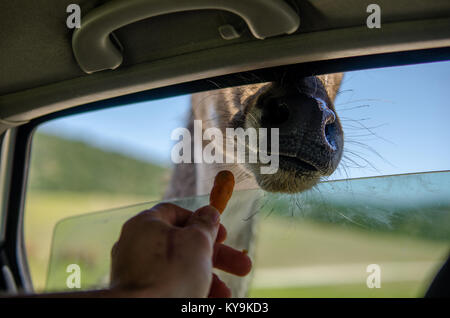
[235, 107]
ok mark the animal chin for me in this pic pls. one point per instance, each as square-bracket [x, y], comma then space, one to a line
[287, 181]
[296, 164]
[295, 174]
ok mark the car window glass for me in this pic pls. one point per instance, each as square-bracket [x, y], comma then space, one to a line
[395, 122]
[400, 223]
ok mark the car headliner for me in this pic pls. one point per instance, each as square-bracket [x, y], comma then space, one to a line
[39, 74]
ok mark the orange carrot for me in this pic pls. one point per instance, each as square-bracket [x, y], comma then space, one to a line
[222, 190]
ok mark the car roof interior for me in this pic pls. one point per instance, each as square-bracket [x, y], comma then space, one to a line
[40, 75]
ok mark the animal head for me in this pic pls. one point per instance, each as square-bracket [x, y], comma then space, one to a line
[310, 133]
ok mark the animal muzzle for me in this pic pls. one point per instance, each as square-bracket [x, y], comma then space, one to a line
[310, 134]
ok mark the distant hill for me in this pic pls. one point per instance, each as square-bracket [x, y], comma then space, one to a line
[60, 164]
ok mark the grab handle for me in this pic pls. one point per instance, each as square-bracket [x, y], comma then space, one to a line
[94, 50]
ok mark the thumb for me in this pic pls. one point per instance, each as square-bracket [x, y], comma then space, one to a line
[207, 220]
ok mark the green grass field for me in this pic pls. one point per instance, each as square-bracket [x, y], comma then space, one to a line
[294, 256]
[69, 177]
[283, 244]
[401, 290]
[297, 258]
[44, 209]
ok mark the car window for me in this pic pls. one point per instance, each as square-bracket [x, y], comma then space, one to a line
[96, 161]
[379, 211]
[330, 238]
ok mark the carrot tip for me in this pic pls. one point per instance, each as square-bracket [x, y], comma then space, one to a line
[222, 190]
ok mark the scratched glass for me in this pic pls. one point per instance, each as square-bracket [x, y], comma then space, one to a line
[326, 236]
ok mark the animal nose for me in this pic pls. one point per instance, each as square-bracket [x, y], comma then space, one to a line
[301, 115]
[329, 116]
[275, 112]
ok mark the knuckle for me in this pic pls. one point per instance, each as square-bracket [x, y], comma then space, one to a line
[129, 224]
[114, 249]
[164, 206]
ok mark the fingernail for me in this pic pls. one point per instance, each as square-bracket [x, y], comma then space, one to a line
[209, 214]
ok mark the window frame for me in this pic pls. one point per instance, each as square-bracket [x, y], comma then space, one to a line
[20, 137]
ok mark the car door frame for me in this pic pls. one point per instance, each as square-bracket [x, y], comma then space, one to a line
[16, 142]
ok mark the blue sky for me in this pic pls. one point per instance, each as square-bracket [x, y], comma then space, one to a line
[406, 109]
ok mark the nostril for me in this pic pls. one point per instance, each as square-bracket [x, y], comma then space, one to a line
[330, 135]
[274, 112]
[329, 125]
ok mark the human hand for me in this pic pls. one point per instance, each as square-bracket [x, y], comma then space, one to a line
[169, 251]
